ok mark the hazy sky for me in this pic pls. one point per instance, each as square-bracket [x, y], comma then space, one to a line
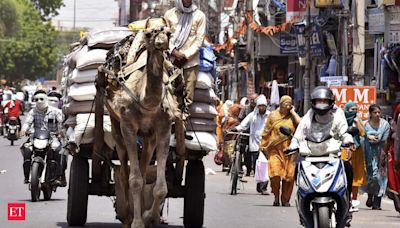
[92, 14]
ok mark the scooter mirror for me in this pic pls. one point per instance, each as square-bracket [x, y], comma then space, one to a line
[286, 131]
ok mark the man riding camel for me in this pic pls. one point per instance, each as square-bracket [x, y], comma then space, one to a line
[188, 27]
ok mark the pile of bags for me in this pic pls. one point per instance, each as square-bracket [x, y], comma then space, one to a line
[78, 84]
[201, 125]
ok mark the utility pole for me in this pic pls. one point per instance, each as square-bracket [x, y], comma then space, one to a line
[345, 50]
[74, 14]
[250, 49]
[307, 73]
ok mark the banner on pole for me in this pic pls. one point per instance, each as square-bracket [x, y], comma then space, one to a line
[364, 96]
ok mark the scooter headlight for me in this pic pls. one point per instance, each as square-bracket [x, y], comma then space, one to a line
[341, 182]
[40, 143]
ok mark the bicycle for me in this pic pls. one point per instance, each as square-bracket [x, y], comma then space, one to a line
[235, 170]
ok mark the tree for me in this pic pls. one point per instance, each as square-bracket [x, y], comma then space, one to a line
[47, 8]
[31, 51]
[8, 17]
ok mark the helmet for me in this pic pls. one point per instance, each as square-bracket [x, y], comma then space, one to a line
[322, 92]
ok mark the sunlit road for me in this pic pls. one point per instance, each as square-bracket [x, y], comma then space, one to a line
[247, 209]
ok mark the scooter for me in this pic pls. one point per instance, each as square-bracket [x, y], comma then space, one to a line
[43, 144]
[322, 196]
[12, 127]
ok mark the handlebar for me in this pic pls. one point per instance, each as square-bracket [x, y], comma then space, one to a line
[237, 133]
[288, 152]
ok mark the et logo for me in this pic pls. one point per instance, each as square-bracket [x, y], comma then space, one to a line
[16, 211]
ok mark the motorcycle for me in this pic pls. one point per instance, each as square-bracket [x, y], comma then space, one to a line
[12, 127]
[44, 146]
[322, 197]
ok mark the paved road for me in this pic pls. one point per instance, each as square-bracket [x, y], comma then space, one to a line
[248, 209]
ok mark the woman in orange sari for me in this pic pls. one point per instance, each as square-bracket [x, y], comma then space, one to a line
[281, 167]
[356, 158]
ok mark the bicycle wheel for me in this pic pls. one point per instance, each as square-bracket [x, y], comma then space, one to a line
[235, 172]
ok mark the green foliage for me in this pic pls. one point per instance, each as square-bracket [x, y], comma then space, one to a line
[31, 50]
[8, 17]
[47, 8]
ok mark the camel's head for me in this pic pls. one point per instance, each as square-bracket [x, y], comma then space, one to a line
[157, 32]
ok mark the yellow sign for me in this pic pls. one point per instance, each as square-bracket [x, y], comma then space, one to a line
[327, 3]
[389, 2]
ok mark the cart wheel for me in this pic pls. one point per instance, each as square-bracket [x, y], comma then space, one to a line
[78, 192]
[193, 214]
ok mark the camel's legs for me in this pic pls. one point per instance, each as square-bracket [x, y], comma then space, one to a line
[160, 189]
[124, 170]
[149, 144]
[129, 133]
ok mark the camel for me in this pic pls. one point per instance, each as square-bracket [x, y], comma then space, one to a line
[141, 107]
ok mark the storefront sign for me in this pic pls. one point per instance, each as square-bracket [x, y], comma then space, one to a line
[364, 96]
[376, 21]
[295, 10]
[317, 47]
[288, 43]
[328, 3]
[394, 24]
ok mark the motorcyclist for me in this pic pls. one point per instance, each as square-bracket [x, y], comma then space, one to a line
[324, 120]
[43, 117]
[54, 101]
[13, 108]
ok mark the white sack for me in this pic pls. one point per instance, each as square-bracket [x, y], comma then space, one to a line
[203, 110]
[90, 59]
[85, 132]
[76, 107]
[107, 38]
[70, 122]
[205, 96]
[82, 76]
[204, 80]
[82, 92]
[208, 141]
[201, 125]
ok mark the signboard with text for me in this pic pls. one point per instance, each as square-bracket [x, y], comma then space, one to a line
[316, 40]
[364, 96]
[288, 43]
[376, 21]
[295, 10]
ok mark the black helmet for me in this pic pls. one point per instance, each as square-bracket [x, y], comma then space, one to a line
[322, 92]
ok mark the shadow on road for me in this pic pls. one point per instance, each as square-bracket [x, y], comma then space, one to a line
[101, 225]
[41, 201]
[91, 224]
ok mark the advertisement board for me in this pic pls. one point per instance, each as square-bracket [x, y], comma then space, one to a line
[364, 96]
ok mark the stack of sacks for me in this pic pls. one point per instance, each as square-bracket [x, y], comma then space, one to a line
[202, 125]
[79, 88]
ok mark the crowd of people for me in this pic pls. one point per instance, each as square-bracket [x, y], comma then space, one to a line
[372, 163]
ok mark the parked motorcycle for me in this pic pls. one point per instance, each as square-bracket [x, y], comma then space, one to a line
[322, 196]
[44, 146]
[12, 127]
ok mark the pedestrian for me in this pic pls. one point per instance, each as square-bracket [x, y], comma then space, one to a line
[377, 133]
[231, 121]
[249, 104]
[394, 160]
[356, 158]
[255, 122]
[281, 167]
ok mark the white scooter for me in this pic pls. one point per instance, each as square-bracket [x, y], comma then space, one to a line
[322, 196]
